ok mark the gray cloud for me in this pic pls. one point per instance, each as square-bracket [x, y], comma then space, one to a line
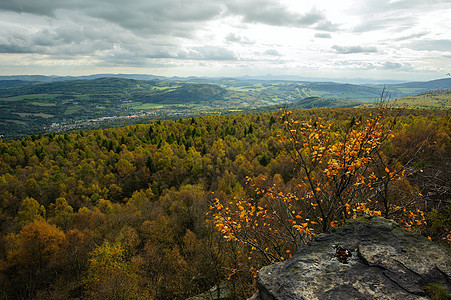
[67, 39]
[174, 17]
[354, 49]
[272, 13]
[377, 6]
[431, 45]
[44, 7]
[98, 40]
[382, 66]
[388, 65]
[235, 38]
[14, 43]
[327, 26]
[395, 16]
[177, 17]
[13, 49]
[397, 23]
[208, 53]
[411, 36]
[272, 52]
[143, 29]
[323, 35]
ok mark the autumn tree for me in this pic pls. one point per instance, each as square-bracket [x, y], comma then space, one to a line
[335, 180]
[111, 276]
[63, 213]
[30, 210]
[34, 255]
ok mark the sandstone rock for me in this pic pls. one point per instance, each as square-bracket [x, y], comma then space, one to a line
[383, 261]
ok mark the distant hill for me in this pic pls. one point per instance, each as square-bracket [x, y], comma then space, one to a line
[105, 86]
[29, 105]
[43, 78]
[429, 85]
[189, 93]
[317, 102]
[440, 99]
[398, 88]
[13, 83]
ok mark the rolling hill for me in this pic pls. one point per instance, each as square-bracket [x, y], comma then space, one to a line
[31, 104]
[434, 99]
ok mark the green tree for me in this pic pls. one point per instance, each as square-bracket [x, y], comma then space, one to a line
[63, 213]
[30, 210]
[111, 276]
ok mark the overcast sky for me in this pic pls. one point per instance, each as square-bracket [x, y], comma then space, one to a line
[378, 39]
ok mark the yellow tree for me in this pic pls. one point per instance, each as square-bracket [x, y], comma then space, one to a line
[63, 213]
[111, 276]
[272, 225]
[35, 254]
[335, 177]
[344, 171]
[334, 166]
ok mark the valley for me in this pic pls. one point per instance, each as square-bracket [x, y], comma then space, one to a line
[33, 105]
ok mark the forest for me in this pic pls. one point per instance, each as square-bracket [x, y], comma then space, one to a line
[168, 210]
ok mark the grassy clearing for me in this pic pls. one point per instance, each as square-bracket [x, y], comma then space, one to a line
[42, 103]
[148, 106]
[33, 97]
[22, 123]
[42, 115]
[162, 88]
[408, 90]
[73, 109]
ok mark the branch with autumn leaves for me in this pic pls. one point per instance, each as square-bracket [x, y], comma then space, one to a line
[339, 177]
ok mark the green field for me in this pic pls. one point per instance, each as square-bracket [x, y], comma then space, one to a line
[148, 106]
[43, 104]
[42, 115]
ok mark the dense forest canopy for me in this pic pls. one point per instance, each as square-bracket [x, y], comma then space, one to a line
[124, 212]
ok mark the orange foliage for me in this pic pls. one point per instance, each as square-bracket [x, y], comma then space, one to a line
[338, 175]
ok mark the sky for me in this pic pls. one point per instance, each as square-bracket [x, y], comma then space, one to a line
[374, 39]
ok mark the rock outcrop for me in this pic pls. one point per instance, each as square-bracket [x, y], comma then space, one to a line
[368, 258]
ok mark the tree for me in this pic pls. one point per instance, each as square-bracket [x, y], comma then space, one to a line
[63, 213]
[335, 177]
[35, 254]
[111, 276]
[30, 210]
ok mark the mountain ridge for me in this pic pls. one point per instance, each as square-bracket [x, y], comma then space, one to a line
[267, 77]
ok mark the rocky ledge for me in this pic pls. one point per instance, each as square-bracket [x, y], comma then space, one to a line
[368, 258]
